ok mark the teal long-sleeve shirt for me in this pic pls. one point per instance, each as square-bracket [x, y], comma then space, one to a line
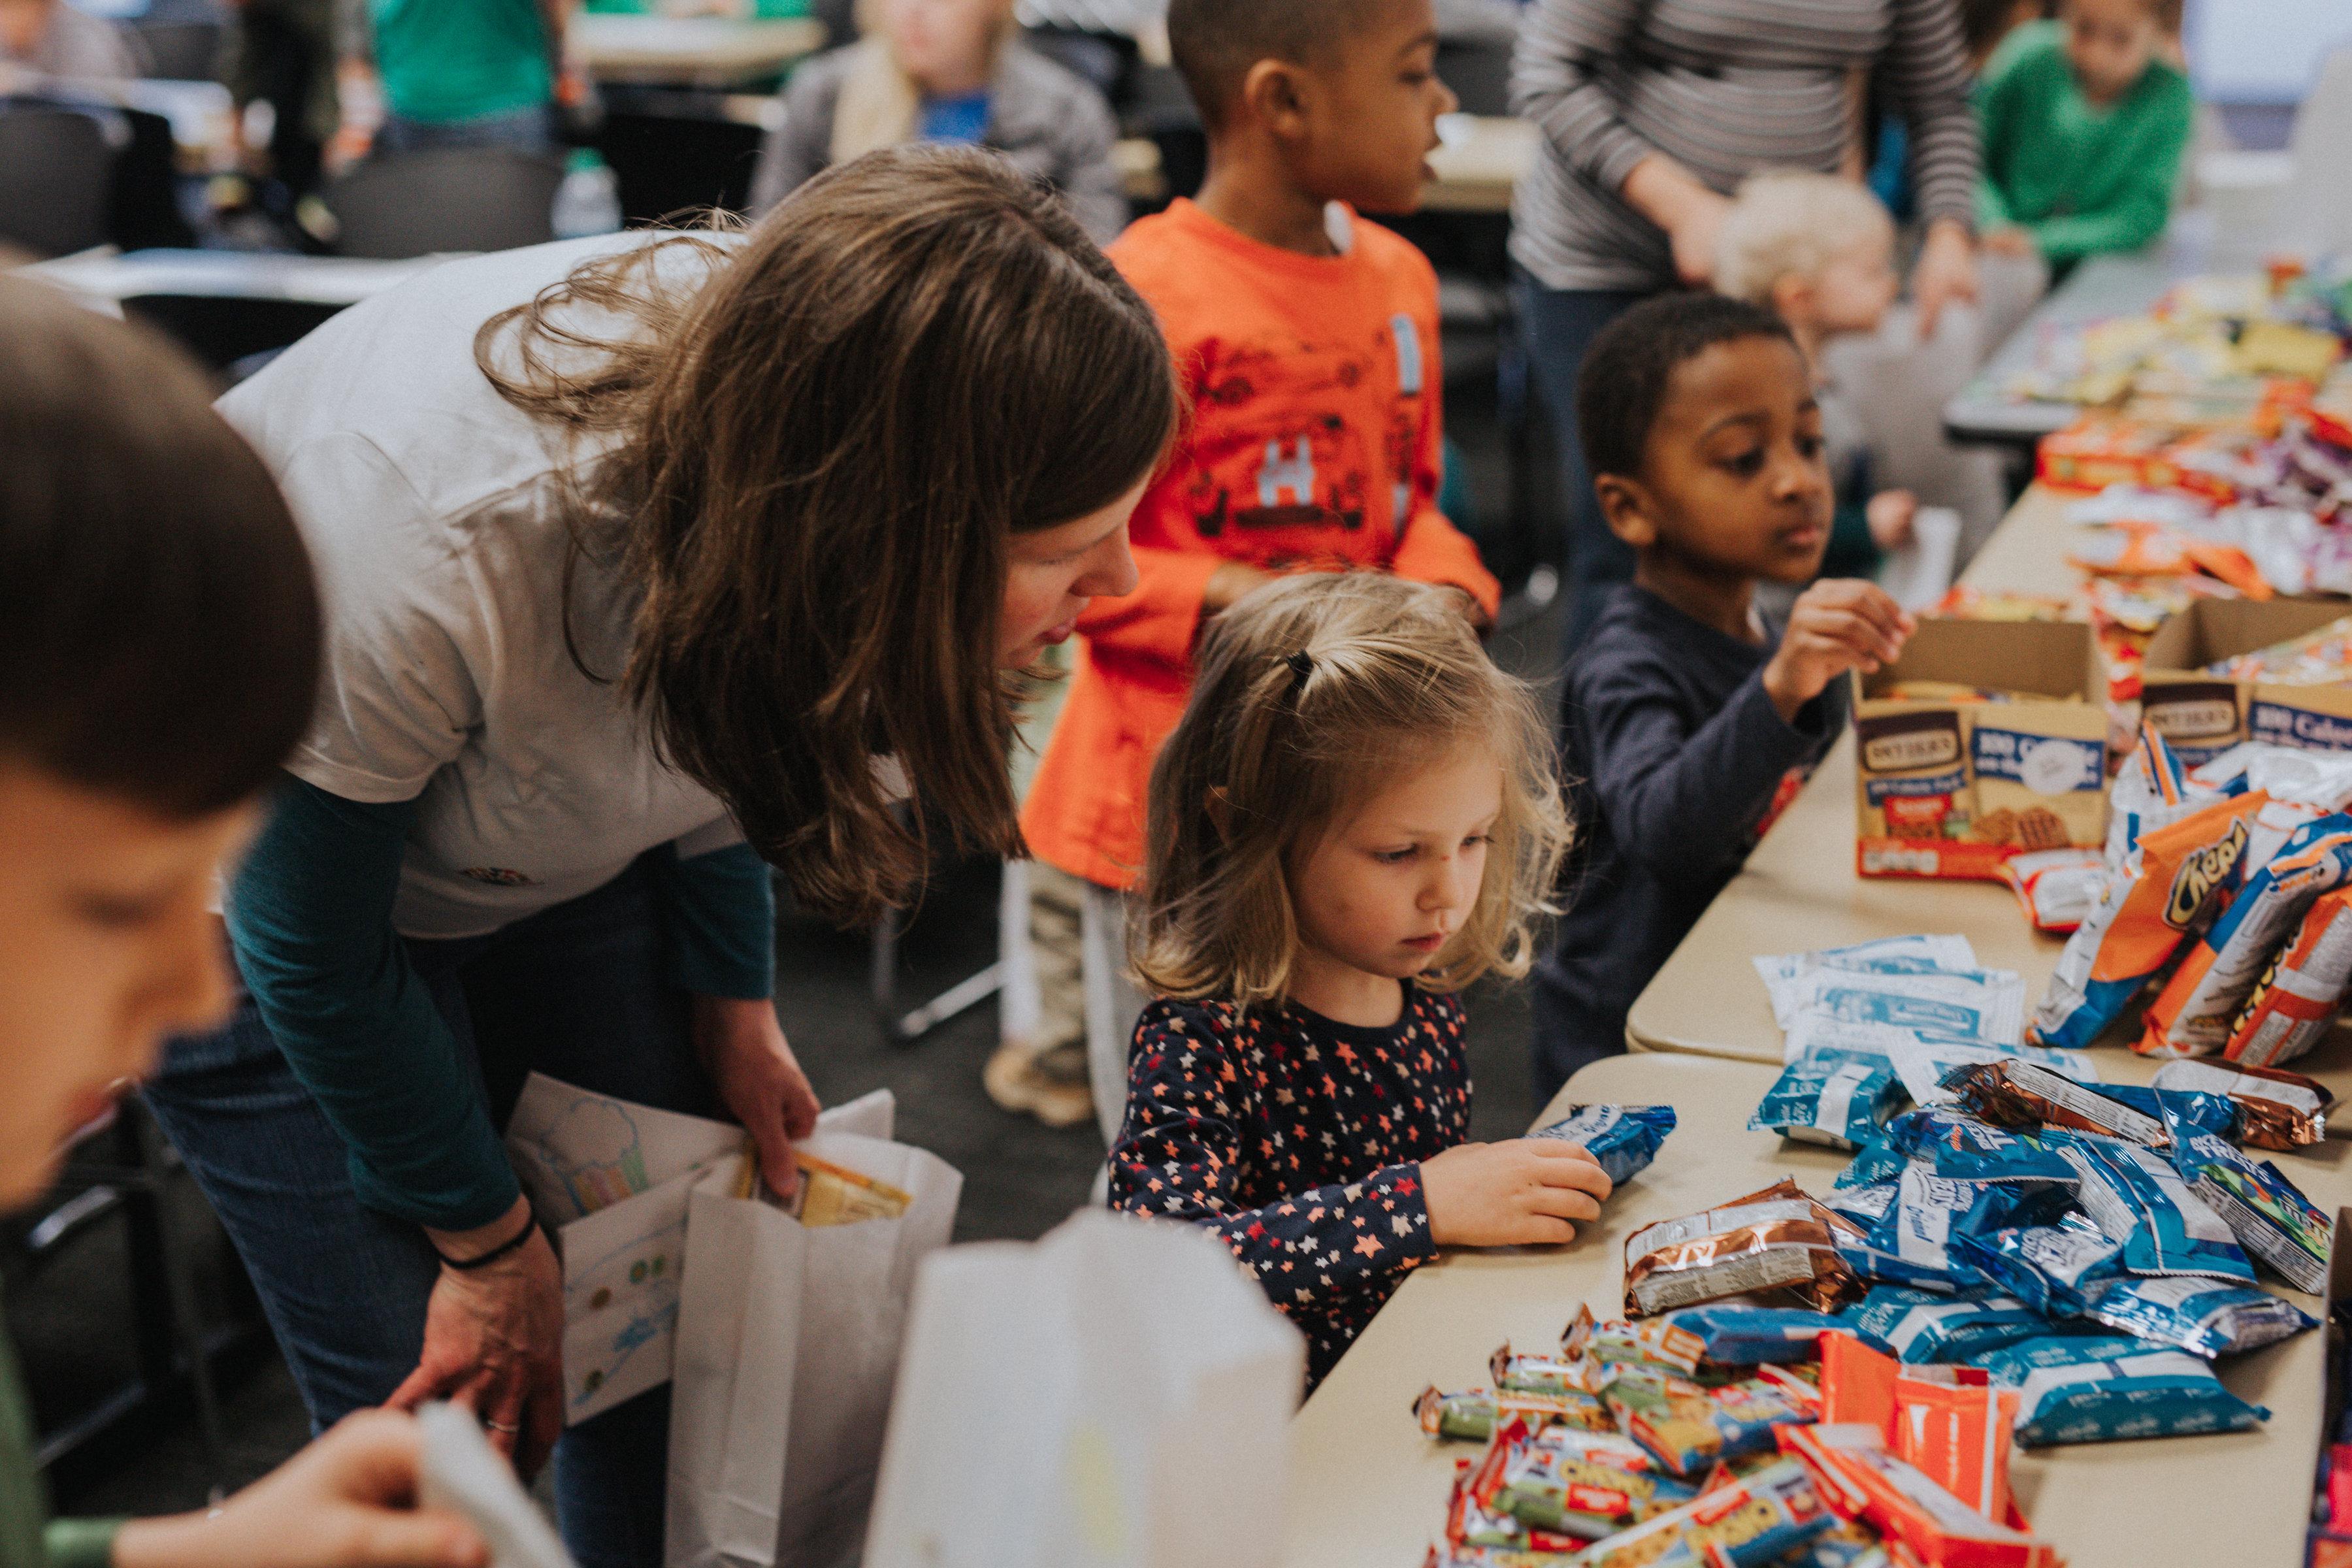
[2081, 178]
[310, 919]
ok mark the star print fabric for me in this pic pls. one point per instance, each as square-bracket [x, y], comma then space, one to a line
[1297, 1142]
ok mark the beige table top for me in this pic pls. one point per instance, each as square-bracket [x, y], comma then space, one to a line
[1367, 1488]
[1798, 890]
[690, 51]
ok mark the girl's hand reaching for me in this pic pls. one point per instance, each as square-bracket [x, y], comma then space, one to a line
[1525, 1193]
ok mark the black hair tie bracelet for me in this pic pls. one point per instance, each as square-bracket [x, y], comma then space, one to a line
[513, 1244]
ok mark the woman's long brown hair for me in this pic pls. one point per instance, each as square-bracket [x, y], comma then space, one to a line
[818, 457]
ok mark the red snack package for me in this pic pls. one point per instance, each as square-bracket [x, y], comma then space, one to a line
[1947, 1422]
[1859, 1477]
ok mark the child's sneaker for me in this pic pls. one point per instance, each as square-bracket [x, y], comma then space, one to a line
[1048, 1082]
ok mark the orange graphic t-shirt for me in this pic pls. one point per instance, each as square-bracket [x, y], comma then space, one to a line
[1313, 442]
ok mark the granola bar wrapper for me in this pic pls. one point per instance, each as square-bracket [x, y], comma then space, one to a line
[1756, 1521]
[2027, 1094]
[2277, 1110]
[2273, 1222]
[1655, 1342]
[1585, 1486]
[1475, 1415]
[1776, 1239]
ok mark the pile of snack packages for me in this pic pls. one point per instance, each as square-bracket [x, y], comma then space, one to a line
[2026, 1255]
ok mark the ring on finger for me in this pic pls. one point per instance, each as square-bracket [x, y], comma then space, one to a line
[502, 1426]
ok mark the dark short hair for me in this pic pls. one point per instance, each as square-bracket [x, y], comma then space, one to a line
[1216, 42]
[159, 625]
[1623, 386]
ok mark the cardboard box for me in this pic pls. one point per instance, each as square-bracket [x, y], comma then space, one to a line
[1952, 789]
[2202, 715]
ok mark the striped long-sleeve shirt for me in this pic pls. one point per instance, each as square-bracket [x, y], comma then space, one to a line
[1725, 88]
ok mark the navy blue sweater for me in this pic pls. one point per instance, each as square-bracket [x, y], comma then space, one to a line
[1675, 761]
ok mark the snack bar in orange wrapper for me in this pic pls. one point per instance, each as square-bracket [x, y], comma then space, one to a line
[1947, 1422]
[1858, 1477]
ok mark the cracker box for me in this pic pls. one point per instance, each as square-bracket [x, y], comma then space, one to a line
[1950, 786]
[2202, 714]
[2105, 449]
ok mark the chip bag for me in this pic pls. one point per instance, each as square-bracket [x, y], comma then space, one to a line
[2301, 994]
[2137, 1198]
[2267, 1213]
[2172, 882]
[2057, 888]
[2195, 1013]
[1921, 1326]
[1736, 1334]
[2142, 1393]
[2054, 1269]
[2025, 1094]
[1840, 1099]
[1859, 1477]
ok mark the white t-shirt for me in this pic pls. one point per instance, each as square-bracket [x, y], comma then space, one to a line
[433, 510]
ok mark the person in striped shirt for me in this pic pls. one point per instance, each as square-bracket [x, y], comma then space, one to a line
[1653, 113]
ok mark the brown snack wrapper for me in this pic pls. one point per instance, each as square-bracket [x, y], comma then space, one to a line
[1778, 1239]
[2276, 1109]
[2027, 1094]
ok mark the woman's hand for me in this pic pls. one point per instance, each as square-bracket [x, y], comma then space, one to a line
[348, 1501]
[743, 1048]
[1524, 1192]
[1692, 214]
[494, 1340]
[1945, 275]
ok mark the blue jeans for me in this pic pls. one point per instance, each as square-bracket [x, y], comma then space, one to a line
[1559, 325]
[529, 130]
[579, 991]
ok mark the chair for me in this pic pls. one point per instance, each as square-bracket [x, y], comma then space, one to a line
[456, 198]
[56, 171]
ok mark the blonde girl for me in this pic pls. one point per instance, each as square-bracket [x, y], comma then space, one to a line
[947, 70]
[1357, 817]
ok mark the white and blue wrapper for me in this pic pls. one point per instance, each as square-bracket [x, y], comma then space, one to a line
[2139, 1199]
[1920, 1326]
[2150, 1394]
[1963, 1149]
[1838, 1099]
[2054, 1269]
[2276, 1225]
[2205, 1317]
[1622, 1139]
[1737, 1335]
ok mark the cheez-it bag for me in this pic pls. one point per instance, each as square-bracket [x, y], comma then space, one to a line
[2172, 884]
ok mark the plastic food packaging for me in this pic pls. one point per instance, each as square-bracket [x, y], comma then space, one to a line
[1986, 1004]
[1962, 1148]
[1859, 1477]
[1478, 1532]
[2321, 658]
[2272, 1219]
[1663, 1344]
[2057, 888]
[1921, 1326]
[2054, 1269]
[1775, 1239]
[1914, 1244]
[1689, 1428]
[1923, 1064]
[2144, 1393]
[2194, 1013]
[1473, 1415]
[2137, 1198]
[2152, 791]
[1739, 1335]
[1557, 1372]
[1888, 956]
[1622, 1139]
[1756, 1521]
[2172, 882]
[1584, 1485]
[1840, 1099]
[1949, 1421]
[2204, 1316]
[2276, 1110]
[2299, 997]
[2024, 1094]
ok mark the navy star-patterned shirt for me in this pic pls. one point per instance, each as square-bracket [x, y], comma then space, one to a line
[1297, 1142]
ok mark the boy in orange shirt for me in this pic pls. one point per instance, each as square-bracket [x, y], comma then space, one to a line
[1307, 340]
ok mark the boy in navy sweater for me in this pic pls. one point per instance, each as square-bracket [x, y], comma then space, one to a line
[1689, 719]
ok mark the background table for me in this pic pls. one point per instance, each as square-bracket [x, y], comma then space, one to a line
[1799, 891]
[1479, 163]
[1367, 1488]
[691, 51]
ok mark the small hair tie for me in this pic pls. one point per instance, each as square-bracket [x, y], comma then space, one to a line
[1302, 666]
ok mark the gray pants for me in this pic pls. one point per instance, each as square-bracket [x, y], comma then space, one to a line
[1063, 946]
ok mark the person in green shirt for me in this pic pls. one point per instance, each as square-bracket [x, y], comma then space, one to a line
[469, 73]
[158, 650]
[2084, 123]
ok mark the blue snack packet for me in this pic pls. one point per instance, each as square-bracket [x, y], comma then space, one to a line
[2183, 1111]
[2269, 1216]
[1961, 1148]
[2011, 1365]
[1837, 1098]
[1736, 1335]
[1866, 1205]
[1623, 1138]
[1878, 1161]
[1921, 1326]
[2207, 1316]
[2139, 1199]
[2147, 1394]
[2054, 1269]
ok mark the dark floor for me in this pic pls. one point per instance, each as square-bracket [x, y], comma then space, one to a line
[72, 1309]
